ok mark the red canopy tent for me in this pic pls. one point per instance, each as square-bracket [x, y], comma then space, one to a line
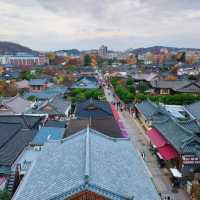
[156, 139]
[166, 150]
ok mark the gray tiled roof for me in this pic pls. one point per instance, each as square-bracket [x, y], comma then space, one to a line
[194, 109]
[173, 132]
[93, 108]
[16, 104]
[107, 126]
[147, 108]
[14, 145]
[183, 136]
[191, 125]
[87, 161]
[38, 82]
[15, 133]
[86, 82]
[26, 121]
[178, 85]
[189, 88]
[169, 84]
[56, 106]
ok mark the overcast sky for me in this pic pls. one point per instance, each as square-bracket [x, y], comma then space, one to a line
[86, 24]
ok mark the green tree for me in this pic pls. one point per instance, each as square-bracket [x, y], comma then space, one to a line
[130, 81]
[193, 77]
[4, 195]
[31, 98]
[142, 86]
[27, 75]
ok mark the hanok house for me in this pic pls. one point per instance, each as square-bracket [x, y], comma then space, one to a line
[56, 108]
[95, 113]
[86, 83]
[87, 165]
[14, 105]
[47, 133]
[145, 77]
[22, 86]
[163, 87]
[146, 111]
[177, 145]
[194, 110]
[15, 134]
[38, 84]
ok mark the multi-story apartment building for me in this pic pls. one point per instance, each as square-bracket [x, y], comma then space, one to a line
[103, 51]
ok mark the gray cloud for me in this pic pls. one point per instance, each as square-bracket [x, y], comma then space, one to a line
[88, 23]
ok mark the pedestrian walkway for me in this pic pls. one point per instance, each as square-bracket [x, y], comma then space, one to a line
[140, 141]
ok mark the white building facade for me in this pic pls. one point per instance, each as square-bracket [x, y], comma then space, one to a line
[23, 59]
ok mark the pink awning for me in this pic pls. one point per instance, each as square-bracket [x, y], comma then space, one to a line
[156, 138]
[124, 133]
[168, 152]
[115, 113]
[121, 125]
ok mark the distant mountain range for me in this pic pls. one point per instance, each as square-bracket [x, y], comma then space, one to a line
[156, 49]
[10, 47]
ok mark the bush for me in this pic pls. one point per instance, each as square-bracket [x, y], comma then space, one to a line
[177, 99]
[124, 94]
[31, 98]
[142, 87]
[4, 195]
[130, 81]
[78, 95]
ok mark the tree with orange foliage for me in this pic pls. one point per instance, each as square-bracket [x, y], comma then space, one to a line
[174, 70]
[171, 78]
[2, 86]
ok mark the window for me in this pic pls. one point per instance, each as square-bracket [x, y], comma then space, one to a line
[164, 91]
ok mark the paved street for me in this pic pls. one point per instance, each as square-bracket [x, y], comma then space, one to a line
[140, 141]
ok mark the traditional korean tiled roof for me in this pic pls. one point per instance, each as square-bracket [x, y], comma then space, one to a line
[55, 106]
[38, 82]
[16, 105]
[147, 108]
[193, 87]
[46, 133]
[23, 84]
[177, 86]
[10, 151]
[190, 125]
[89, 161]
[181, 135]
[86, 82]
[145, 77]
[40, 95]
[194, 109]
[169, 84]
[16, 132]
[107, 126]
[26, 121]
[47, 94]
[93, 108]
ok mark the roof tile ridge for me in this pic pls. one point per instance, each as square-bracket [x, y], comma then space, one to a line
[10, 138]
[162, 121]
[87, 156]
[182, 127]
